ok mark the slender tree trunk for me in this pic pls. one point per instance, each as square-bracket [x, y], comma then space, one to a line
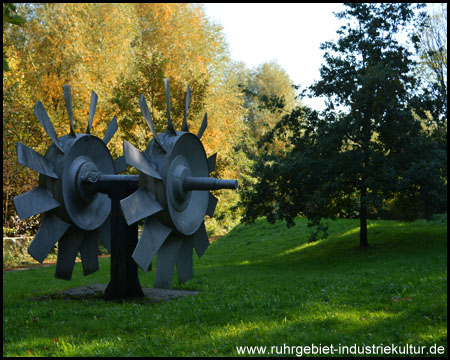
[363, 242]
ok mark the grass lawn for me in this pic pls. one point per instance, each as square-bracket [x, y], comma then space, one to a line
[260, 285]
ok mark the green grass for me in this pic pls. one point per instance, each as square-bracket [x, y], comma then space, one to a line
[261, 285]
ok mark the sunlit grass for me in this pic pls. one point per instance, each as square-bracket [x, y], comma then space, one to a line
[356, 230]
[259, 285]
[298, 248]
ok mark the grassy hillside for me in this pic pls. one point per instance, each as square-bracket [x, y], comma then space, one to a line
[261, 285]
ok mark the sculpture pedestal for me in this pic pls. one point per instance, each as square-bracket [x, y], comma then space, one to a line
[124, 281]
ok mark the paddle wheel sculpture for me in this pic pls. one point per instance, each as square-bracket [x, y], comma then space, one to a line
[85, 199]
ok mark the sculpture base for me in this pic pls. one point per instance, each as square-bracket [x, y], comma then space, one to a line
[96, 292]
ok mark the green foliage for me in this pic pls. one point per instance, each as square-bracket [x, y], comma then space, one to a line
[14, 249]
[431, 47]
[439, 218]
[10, 18]
[349, 162]
[299, 180]
[22, 228]
[260, 285]
[268, 94]
[17, 237]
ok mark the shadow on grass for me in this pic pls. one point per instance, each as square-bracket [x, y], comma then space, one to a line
[339, 250]
[257, 289]
[170, 336]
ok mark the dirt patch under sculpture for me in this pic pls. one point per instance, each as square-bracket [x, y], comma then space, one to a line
[96, 291]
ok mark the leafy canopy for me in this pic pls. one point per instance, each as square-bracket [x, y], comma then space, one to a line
[367, 148]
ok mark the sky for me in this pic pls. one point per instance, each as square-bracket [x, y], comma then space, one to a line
[289, 33]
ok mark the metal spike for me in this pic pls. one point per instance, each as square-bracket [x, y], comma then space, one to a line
[92, 106]
[169, 120]
[68, 97]
[184, 126]
[211, 205]
[184, 261]
[43, 118]
[89, 252]
[212, 163]
[201, 241]
[104, 231]
[68, 248]
[32, 159]
[36, 201]
[152, 237]
[203, 126]
[139, 205]
[50, 231]
[166, 259]
[120, 165]
[138, 160]
[111, 130]
[148, 118]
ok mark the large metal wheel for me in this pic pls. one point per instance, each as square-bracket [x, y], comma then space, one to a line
[73, 218]
[172, 170]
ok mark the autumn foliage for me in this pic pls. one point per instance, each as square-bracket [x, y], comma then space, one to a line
[120, 51]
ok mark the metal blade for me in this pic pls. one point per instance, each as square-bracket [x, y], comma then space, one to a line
[32, 159]
[201, 241]
[211, 205]
[139, 205]
[184, 126]
[89, 252]
[68, 98]
[92, 106]
[148, 118]
[111, 130]
[152, 237]
[184, 261]
[43, 118]
[68, 248]
[138, 160]
[50, 231]
[169, 120]
[167, 256]
[212, 163]
[36, 201]
[104, 231]
[203, 126]
[120, 165]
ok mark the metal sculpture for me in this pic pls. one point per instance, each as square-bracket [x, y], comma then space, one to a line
[173, 171]
[73, 218]
[82, 198]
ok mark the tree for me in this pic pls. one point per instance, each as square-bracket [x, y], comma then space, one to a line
[17, 109]
[269, 94]
[120, 51]
[349, 162]
[431, 47]
[9, 18]
[85, 45]
[178, 42]
[174, 41]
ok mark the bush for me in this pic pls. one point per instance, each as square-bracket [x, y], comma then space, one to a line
[439, 218]
[15, 250]
[16, 227]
